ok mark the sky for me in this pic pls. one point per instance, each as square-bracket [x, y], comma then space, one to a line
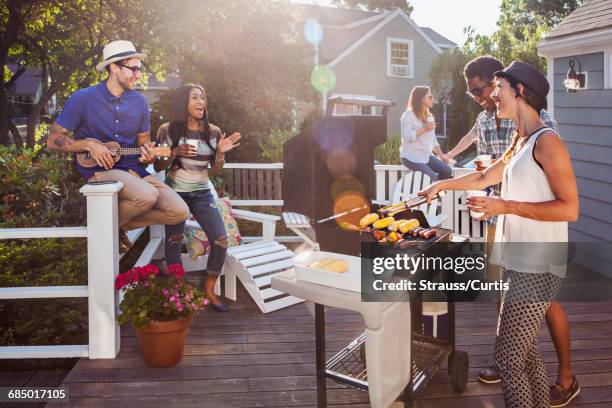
[449, 17]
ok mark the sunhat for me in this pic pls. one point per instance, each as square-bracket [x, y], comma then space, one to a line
[117, 51]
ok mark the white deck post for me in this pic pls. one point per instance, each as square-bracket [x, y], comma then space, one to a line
[102, 267]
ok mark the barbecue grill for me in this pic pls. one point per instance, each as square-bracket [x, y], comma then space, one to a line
[327, 171]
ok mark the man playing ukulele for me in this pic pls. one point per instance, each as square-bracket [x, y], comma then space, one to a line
[113, 111]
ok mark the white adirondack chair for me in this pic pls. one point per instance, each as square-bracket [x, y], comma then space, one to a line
[253, 263]
[300, 225]
[408, 186]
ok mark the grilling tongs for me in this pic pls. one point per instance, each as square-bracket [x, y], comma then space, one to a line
[412, 202]
[389, 210]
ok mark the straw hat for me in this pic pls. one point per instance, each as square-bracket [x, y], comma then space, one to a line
[117, 51]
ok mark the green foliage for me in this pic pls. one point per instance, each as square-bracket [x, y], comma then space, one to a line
[40, 190]
[43, 262]
[250, 88]
[376, 5]
[447, 82]
[521, 25]
[272, 146]
[37, 189]
[150, 295]
[65, 39]
[388, 152]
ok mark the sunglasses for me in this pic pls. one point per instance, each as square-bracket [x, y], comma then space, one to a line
[478, 91]
[134, 70]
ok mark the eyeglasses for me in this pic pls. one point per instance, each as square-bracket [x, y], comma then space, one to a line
[134, 70]
[478, 91]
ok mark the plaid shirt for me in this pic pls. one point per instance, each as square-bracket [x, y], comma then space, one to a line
[495, 141]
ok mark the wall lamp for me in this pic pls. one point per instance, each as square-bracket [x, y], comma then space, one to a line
[573, 80]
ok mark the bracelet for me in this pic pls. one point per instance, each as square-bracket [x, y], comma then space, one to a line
[219, 160]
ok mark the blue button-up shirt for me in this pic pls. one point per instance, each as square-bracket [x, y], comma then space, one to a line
[96, 113]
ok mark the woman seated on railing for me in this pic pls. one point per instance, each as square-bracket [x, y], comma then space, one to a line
[419, 137]
[196, 144]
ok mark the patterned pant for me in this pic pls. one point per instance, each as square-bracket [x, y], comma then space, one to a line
[524, 306]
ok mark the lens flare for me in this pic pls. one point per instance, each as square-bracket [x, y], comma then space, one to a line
[348, 201]
[313, 32]
[344, 185]
[323, 79]
[334, 136]
[341, 163]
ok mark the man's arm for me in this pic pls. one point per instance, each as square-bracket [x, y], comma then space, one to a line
[61, 140]
[465, 142]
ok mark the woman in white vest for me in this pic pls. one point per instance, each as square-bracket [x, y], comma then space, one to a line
[539, 197]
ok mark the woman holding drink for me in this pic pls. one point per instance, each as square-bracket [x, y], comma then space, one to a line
[419, 137]
[538, 198]
[196, 145]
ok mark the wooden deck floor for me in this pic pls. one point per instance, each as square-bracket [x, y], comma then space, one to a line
[246, 359]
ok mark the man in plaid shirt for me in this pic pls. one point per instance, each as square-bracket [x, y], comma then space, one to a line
[493, 136]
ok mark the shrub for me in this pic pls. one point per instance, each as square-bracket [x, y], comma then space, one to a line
[38, 189]
[41, 190]
[272, 146]
[388, 152]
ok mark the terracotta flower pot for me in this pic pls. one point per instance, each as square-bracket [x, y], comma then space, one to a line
[162, 343]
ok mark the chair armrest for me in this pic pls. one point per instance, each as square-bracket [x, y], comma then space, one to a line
[268, 221]
[254, 216]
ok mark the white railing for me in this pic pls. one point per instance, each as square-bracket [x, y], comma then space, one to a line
[103, 258]
[102, 267]
[386, 176]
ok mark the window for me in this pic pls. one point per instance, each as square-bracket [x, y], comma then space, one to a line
[400, 61]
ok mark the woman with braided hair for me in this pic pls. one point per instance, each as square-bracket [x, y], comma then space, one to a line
[538, 198]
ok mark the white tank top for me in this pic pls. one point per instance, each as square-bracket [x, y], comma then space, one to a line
[530, 245]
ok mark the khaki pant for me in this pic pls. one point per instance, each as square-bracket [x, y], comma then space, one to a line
[493, 271]
[144, 201]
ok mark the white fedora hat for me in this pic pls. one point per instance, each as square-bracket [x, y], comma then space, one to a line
[117, 51]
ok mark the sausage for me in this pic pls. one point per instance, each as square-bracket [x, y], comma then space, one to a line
[430, 233]
[415, 232]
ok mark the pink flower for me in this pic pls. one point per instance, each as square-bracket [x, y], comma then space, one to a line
[172, 298]
[165, 292]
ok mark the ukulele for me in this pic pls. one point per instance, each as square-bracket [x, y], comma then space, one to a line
[85, 159]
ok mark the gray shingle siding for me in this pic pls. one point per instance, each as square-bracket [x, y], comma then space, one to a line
[373, 55]
[585, 123]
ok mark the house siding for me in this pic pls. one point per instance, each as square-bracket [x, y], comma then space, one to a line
[371, 57]
[585, 124]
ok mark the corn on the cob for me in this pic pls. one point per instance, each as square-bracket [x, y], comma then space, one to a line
[368, 219]
[384, 223]
[408, 225]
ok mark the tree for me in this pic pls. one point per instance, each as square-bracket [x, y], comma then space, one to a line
[66, 42]
[521, 25]
[376, 5]
[248, 58]
[14, 16]
[447, 82]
